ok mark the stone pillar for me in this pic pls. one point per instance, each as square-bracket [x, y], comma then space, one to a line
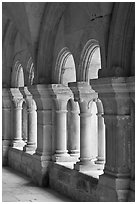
[131, 88]
[101, 134]
[43, 154]
[114, 183]
[6, 119]
[85, 96]
[32, 121]
[32, 128]
[60, 95]
[74, 131]
[17, 99]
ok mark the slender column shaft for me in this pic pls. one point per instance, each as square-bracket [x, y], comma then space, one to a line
[18, 123]
[32, 127]
[74, 133]
[101, 139]
[61, 143]
[85, 137]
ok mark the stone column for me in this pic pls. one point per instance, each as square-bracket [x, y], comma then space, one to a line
[17, 99]
[101, 134]
[85, 96]
[131, 88]
[60, 95]
[74, 131]
[6, 119]
[114, 183]
[32, 121]
[43, 154]
[61, 139]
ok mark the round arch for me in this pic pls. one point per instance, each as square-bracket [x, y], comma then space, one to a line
[17, 77]
[65, 67]
[85, 59]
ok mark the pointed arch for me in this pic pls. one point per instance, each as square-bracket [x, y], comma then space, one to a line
[85, 59]
[61, 68]
[17, 78]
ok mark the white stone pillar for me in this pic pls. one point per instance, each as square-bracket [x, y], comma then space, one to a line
[101, 135]
[61, 129]
[60, 95]
[41, 96]
[74, 133]
[32, 127]
[101, 140]
[43, 154]
[85, 96]
[32, 120]
[17, 117]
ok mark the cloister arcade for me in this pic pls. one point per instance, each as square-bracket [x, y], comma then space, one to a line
[68, 99]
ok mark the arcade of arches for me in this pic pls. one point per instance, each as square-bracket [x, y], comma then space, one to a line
[68, 96]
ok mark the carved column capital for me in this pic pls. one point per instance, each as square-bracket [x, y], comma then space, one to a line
[41, 95]
[83, 94]
[17, 98]
[60, 95]
[31, 105]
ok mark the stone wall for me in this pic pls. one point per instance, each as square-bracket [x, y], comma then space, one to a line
[71, 183]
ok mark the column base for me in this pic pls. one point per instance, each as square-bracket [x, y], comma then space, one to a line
[64, 157]
[74, 153]
[85, 166]
[100, 164]
[29, 148]
[113, 189]
[18, 143]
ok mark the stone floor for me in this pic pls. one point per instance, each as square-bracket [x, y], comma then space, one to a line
[16, 187]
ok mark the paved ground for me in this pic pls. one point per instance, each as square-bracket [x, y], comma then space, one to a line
[16, 187]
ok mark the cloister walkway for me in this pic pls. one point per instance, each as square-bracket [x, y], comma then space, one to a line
[16, 187]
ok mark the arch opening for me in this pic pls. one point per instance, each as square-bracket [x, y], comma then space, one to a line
[90, 61]
[17, 79]
[65, 68]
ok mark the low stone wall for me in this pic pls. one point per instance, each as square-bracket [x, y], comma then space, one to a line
[20, 161]
[76, 185]
[29, 164]
[71, 183]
